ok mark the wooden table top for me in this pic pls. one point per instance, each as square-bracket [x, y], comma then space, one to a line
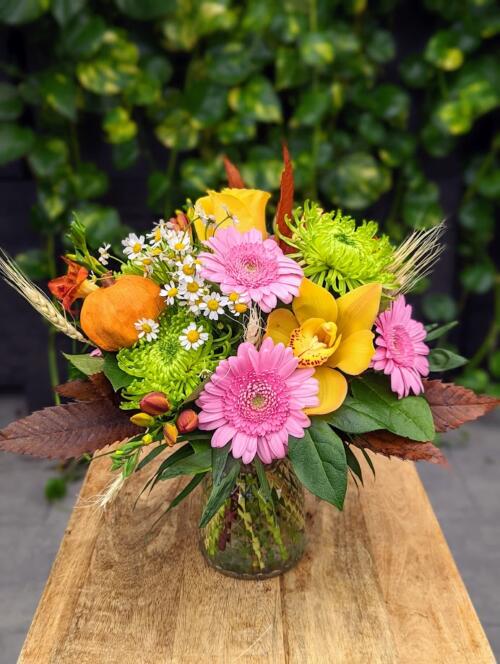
[377, 584]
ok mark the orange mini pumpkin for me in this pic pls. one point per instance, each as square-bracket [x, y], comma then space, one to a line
[108, 314]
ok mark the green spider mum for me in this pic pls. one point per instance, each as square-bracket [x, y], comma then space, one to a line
[337, 253]
[165, 366]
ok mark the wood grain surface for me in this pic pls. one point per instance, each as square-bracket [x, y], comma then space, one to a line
[377, 585]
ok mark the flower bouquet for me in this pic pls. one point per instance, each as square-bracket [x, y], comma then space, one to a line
[253, 364]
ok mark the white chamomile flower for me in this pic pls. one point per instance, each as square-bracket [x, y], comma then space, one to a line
[192, 290]
[133, 246]
[160, 232]
[213, 305]
[104, 254]
[179, 241]
[147, 328]
[188, 269]
[236, 304]
[194, 306]
[193, 337]
[170, 291]
[147, 263]
[229, 214]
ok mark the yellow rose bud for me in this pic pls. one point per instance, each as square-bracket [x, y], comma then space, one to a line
[155, 403]
[142, 420]
[147, 439]
[187, 421]
[246, 207]
[170, 432]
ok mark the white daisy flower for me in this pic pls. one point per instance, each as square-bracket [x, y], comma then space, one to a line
[193, 337]
[236, 304]
[147, 328]
[213, 305]
[194, 306]
[104, 254]
[145, 261]
[170, 291]
[188, 269]
[133, 245]
[192, 290]
[179, 241]
[160, 232]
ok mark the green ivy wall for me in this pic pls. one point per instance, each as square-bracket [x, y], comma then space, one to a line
[376, 101]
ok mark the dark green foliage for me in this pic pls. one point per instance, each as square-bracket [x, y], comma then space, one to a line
[206, 78]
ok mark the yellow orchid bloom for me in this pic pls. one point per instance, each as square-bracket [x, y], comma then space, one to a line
[247, 205]
[329, 335]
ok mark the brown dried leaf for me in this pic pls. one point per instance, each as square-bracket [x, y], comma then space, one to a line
[96, 386]
[234, 179]
[70, 430]
[389, 444]
[453, 405]
[285, 205]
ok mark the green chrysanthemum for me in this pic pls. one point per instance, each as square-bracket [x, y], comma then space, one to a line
[165, 366]
[337, 253]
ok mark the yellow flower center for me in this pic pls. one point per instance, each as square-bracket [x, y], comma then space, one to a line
[213, 305]
[158, 235]
[137, 247]
[146, 327]
[240, 308]
[179, 246]
[173, 292]
[193, 336]
[314, 342]
[188, 270]
[234, 297]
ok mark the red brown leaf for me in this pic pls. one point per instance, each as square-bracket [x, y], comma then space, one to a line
[97, 386]
[234, 179]
[389, 444]
[67, 431]
[453, 405]
[285, 204]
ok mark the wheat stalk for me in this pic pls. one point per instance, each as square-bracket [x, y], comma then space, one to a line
[16, 278]
[416, 256]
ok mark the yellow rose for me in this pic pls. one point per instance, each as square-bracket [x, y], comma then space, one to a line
[247, 205]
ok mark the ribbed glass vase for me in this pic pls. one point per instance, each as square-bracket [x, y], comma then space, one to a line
[251, 537]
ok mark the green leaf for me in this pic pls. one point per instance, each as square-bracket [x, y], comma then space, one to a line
[35, 263]
[415, 72]
[229, 64]
[219, 458]
[356, 181]
[256, 100]
[125, 154]
[477, 215]
[206, 102]
[83, 36]
[265, 489]
[290, 70]
[48, 157]
[221, 491]
[439, 307]
[157, 189]
[316, 49]
[436, 332]
[151, 456]
[89, 182]
[198, 462]
[102, 224]
[189, 488]
[381, 47]
[119, 126]
[116, 376]
[16, 12]
[319, 460]
[11, 104]
[58, 91]
[237, 130]
[312, 106]
[105, 76]
[442, 359]
[15, 142]
[355, 417]
[86, 364]
[410, 417]
[177, 131]
[478, 278]
[353, 462]
[65, 10]
[494, 363]
[443, 51]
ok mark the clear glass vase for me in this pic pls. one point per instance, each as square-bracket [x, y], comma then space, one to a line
[251, 537]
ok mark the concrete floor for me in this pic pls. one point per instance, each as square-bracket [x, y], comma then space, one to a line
[466, 499]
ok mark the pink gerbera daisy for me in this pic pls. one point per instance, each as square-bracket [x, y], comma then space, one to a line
[401, 352]
[257, 269]
[256, 400]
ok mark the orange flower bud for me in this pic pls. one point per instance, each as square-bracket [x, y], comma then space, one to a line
[170, 432]
[180, 221]
[142, 420]
[155, 403]
[187, 421]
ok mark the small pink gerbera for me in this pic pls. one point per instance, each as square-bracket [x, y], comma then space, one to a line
[256, 400]
[257, 269]
[401, 352]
